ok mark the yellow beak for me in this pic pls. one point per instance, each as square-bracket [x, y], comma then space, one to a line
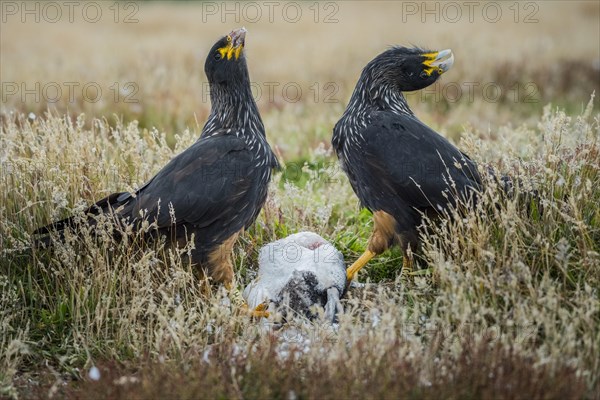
[440, 61]
[235, 44]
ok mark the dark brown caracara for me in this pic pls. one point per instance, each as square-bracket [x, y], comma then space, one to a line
[217, 187]
[399, 168]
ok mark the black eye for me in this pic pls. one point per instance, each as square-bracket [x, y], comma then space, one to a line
[424, 75]
[218, 56]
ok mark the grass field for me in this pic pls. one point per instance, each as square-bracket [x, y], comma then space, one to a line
[508, 305]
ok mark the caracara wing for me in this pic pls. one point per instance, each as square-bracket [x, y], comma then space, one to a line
[405, 159]
[212, 180]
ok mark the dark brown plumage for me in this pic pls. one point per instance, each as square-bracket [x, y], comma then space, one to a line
[398, 167]
[215, 188]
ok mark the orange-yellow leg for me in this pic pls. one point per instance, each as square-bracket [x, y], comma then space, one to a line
[260, 311]
[359, 264]
[238, 300]
[407, 265]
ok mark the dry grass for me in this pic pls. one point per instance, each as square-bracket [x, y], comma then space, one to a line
[164, 58]
[524, 283]
[480, 371]
[507, 307]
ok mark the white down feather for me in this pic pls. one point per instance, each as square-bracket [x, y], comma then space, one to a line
[303, 251]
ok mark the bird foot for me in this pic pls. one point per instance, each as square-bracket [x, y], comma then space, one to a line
[407, 269]
[238, 300]
[358, 264]
[407, 265]
[259, 312]
[333, 305]
[356, 284]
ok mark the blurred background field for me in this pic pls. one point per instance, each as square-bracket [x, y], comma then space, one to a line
[511, 60]
[508, 305]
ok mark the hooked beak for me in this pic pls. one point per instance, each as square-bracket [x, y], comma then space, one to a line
[235, 44]
[238, 36]
[440, 61]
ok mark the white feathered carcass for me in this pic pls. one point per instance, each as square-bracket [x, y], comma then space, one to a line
[297, 273]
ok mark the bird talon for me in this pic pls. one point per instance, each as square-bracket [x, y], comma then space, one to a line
[407, 265]
[260, 314]
[259, 311]
[349, 276]
[358, 264]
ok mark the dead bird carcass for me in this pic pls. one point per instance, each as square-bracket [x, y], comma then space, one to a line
[297, 273]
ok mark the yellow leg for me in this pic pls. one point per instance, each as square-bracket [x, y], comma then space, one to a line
[238, 300]
[358, 264]
[259, 312]
[407, 265]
